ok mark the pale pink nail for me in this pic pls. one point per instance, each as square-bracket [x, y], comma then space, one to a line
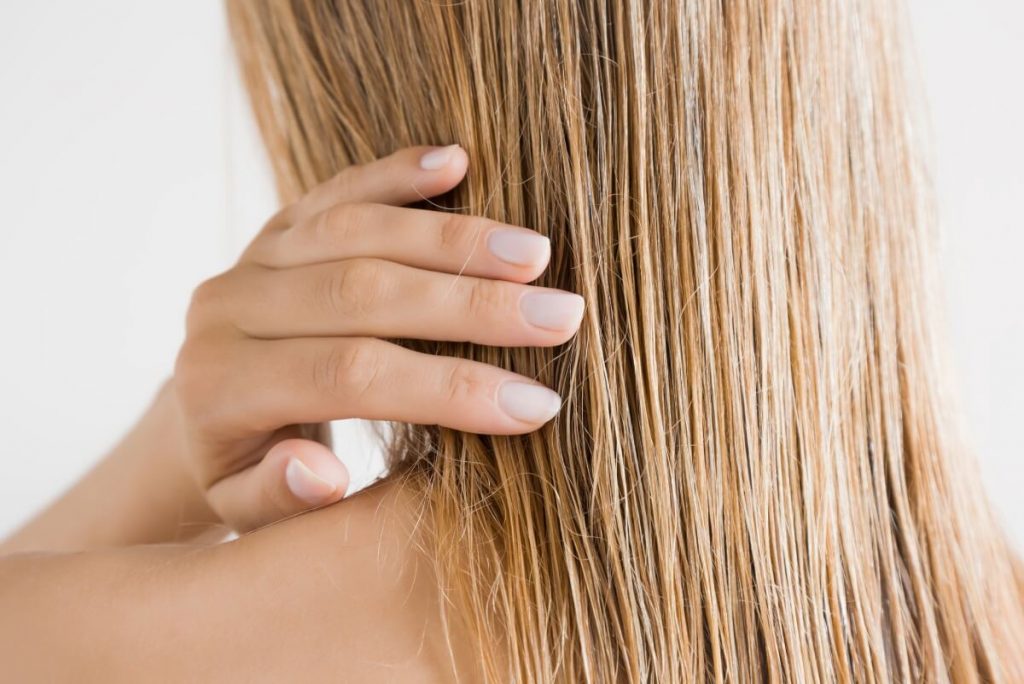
[306, 484]
[528, 403]
[437, 159]
[520, 247]
[552, 310]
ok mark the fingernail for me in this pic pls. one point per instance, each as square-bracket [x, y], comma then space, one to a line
[520, 247]
[437, 159]
[552, 310]
[306, 484]
[528, 403]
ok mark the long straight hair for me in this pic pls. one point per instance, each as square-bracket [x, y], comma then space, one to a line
[756, 474]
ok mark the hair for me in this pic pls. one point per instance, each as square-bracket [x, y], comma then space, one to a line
[757, 473]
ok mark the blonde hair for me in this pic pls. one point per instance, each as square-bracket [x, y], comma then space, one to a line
[756, 475]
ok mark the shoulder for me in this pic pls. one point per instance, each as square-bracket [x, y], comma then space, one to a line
[344, 593]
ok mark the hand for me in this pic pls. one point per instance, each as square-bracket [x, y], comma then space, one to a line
[290, 337]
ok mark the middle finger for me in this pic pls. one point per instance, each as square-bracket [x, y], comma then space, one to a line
[378, 298]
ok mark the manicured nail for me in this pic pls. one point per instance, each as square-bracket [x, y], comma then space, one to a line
[437, 159]
[306, 484]
[520, 247]
[552, 310]
[528, 403]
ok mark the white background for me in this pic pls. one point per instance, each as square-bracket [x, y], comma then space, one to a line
[129, 171]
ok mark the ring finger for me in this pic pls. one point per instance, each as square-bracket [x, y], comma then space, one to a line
[259, 386]
[377, 298]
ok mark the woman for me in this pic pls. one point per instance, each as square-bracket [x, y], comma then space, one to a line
[752, 475]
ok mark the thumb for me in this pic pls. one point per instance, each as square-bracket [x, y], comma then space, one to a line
[295, 476]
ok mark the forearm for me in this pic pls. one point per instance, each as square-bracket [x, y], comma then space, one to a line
[139, 493]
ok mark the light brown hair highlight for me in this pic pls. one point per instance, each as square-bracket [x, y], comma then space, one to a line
[756, 474]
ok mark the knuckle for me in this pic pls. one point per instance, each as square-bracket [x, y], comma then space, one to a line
[486, 298]
[206, 292]
[284, 217]
[347, 370]
[465, 384]
[459, 233]
[339, 223]
[263, 249]
[355, 288]
[205, 301]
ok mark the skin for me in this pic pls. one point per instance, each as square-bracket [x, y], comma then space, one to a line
[121, 579]
[339, 594]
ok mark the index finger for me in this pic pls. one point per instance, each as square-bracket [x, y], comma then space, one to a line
[409, 175]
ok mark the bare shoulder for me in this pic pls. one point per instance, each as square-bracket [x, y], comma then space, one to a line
[346, 593]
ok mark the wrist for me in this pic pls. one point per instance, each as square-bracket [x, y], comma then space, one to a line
[153, 458]
[139, 493]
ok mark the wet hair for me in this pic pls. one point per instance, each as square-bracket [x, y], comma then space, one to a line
[756, 474]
